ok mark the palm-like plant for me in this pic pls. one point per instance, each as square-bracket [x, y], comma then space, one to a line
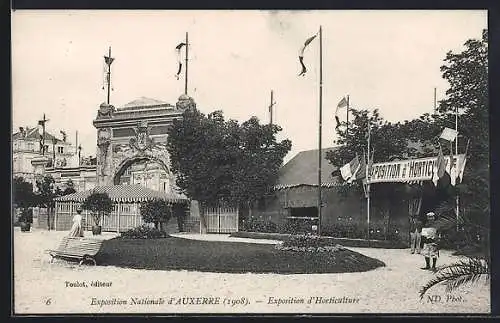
[470, 270]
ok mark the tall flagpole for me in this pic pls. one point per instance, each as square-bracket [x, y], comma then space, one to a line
[271, 109]
[109, 74]
[347, 113]
[435, 106]
[42, 141]
[186, 71]
[320, 125]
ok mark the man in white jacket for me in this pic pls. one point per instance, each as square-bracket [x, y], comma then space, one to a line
[430, 239]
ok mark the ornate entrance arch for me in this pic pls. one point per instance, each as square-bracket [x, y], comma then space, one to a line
[137, 131]
[126, 163]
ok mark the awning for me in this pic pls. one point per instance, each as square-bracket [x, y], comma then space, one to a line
[125, 193]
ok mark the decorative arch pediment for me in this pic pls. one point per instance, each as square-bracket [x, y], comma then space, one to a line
[127, 162]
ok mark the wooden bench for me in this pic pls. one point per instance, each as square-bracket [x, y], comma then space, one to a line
[81, 249]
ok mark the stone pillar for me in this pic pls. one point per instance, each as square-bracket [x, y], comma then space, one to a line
[39, 164]
[104, 157]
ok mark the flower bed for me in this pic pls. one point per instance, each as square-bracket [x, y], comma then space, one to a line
[144, 231]
[359, 243]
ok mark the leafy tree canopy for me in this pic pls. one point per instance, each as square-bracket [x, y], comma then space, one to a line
[156, 210]
[70, 187]
[467, 75]
[23, 196]
[98, 204]
[217, 160]
[46, 191]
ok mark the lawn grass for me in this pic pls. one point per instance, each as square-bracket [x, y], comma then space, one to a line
[227, 257]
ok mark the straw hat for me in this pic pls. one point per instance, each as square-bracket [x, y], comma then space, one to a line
[431, 215]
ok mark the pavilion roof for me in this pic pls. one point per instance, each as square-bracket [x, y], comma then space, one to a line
[124, 193]
[302, 170]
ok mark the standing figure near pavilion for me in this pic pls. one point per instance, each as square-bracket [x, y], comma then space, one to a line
[76, 229]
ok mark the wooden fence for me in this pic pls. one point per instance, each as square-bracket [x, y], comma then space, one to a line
[125, 216]
[221, 220]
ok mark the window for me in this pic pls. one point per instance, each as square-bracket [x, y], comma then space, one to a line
[60, 150]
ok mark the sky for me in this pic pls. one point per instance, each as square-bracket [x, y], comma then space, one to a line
[387, 60]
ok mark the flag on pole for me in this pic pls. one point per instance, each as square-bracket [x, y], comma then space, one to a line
[301, 54]
[448, 134]
[179, 59]
[453, 172]
[106, 71]
[108, 60]
[351, 170]
[439, 167]
[361, 173]
[340, 105]
[461, 167]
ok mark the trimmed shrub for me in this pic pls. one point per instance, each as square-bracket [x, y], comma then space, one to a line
[345, 230]
[259, 225]
[156, 211]
[144, 231]
[297, 226]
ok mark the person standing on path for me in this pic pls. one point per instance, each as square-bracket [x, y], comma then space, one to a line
[430, 239]
[415, 233]
[76, 229]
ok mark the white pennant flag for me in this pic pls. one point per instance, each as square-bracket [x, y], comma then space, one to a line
[448, 134]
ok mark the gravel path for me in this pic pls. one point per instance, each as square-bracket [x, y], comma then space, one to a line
[42, 287]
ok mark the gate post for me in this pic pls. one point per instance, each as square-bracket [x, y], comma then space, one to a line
[218, 218]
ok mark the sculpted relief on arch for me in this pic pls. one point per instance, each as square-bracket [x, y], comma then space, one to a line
[139, 147]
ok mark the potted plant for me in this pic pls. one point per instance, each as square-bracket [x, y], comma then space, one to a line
[25, 219]
[156, 211]
[98, 204]
[23, 200]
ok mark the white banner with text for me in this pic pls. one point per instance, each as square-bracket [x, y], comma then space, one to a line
[409, 170]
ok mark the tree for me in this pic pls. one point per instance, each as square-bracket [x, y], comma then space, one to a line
[45, 194]
[261, 157]
[389, 141]
[156, 211]
[196, 152]
[23, 197]
[70, 187]
[467, 74]
[217, 161]
[98, 204]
